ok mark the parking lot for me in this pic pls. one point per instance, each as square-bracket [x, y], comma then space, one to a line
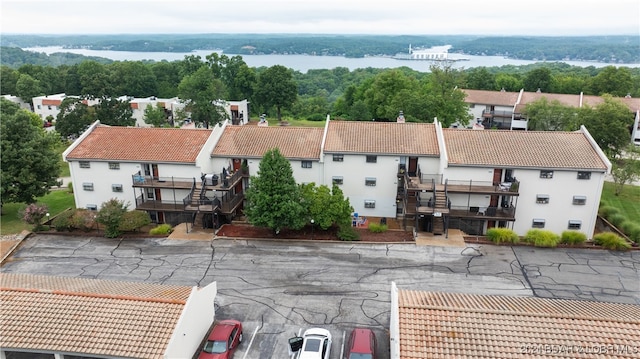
[278, 289]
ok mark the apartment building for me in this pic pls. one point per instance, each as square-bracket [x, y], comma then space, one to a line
[429, 178]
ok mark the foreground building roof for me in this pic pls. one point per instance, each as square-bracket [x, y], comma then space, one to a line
[538, 149]
[382, 138]
[88, 316]
[254, 141]
[449, 325]
[107, 143]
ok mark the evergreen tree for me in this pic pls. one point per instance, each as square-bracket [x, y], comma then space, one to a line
[273, 199]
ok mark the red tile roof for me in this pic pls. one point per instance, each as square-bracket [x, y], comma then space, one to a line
[145, 144]
[447, 325]
[254, 141]
[538, 149]
[485, 97]
[88, 316]
[382, 138]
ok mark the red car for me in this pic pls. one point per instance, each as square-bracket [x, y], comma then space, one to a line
[223, 340]
[362, 344]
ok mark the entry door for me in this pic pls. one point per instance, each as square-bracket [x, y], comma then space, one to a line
[413, 166]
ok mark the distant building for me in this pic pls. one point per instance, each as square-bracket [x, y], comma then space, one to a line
[15, 99]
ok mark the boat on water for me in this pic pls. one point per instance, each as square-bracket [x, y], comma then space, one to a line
[435, 53]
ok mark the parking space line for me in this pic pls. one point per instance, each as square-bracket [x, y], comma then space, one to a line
[250, 342]
[342, 346]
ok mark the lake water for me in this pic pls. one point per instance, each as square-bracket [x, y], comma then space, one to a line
[303, 63]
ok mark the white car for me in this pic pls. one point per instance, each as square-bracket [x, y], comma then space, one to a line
[316, 344]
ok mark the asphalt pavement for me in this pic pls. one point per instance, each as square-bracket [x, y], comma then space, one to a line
[280, 288]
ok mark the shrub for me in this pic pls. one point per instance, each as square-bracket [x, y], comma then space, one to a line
[63, 221]
[70, 187]
[110, 215]
[83, 219]
[33, 214]
[542, 238]
[348, 233]
[500, 235]
[377, 227]
[632, 230]
[617, 219]
[606, 211]
[162, 229]
[134, 220]
[611, 241]
[573, 237]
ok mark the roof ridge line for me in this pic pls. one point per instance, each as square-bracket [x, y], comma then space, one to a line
[96, 295]
[519, 313]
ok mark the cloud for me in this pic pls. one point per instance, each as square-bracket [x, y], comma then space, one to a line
[495, 17]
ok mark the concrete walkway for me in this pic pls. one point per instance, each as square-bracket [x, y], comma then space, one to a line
[182, 231]
[455, 239]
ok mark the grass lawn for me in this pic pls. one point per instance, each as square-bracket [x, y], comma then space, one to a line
[57, 201]
[64, 167]
[628, 201]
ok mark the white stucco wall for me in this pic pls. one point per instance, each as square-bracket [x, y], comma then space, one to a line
[102, 179]
[307, 175]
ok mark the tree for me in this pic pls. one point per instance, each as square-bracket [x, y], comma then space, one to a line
[384, 97]
[9, 78]
[508, 82]
[626, 169]
[327, 207]
[479, 78]
[613, 80]
[200, 91]
[27, 88]
[74, 117]
[276, 87]
[550, 116]
[29, 163]
[539, 79]
[445, 100]
[110, 215]
[114, 112]
[133, 78]
[95, 80]
[155, 116]
[273, 199]
[609, 124]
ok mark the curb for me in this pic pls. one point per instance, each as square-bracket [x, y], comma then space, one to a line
[24, 234]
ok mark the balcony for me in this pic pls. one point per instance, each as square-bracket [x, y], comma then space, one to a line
[483, 187]
[495, 114]
[153, 205]
[483, 213]
[162, 182]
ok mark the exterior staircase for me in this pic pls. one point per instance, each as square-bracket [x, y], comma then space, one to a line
[441, 206]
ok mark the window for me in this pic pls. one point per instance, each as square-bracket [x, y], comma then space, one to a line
[574, 224]
[579, 200]
[85, 164]
[39, 107]
[116, 187]
[542, 198]
[87, 186]
[372, 159]
[369, 204]
[338, 158]
[306, 164]
[337, 180]
[584, 175]
[92, 207]
[537, 223]
[370, 181]
[546, 174]
[114, 166]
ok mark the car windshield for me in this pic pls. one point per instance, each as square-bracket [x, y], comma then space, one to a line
[312, 345]
[360, 356]
[215, 347]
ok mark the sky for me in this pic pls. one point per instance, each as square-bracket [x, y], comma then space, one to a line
[390, 17]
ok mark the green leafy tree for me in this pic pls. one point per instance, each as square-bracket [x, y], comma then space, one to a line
[201, 92]
[550, 116]
[616, 81]
[29, 163]
[133, 78]
[327, 207]
[540, 78]
[114, 112]
[167, 78]
[95, 80]
[9, 78]
[273, 198]
[384, 96]
[626, 169]
[155, 116]
[27, 88]
[74, 117]
[110, 216]
[479, 78]
[609, 124]
[445, 99]
[509, 82]
[276, 87]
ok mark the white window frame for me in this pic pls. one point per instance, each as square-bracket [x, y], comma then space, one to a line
[579, 200]
[372, 159]
[338, 157]
[84, 164]
[117, 188]
[114, 165]
[574, 224]
[92, 207]
[548, 174]
[538, 223]
[306, 164]
[369, 203]
[542, 198]
[370, 181]
[584, 175]
[87, 186]
[337, 180]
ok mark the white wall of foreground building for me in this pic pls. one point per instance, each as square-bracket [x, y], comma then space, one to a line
[194, 322]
